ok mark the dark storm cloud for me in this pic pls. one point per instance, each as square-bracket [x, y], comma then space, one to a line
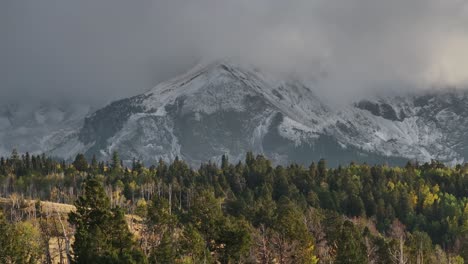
[100, 50]
[88, 50]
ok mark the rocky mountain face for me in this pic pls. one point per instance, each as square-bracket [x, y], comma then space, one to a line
[224, 108]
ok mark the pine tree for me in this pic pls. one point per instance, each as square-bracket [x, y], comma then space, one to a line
[123, 242]
[311, 176]
[102, 235]
[6, 245]
[351, 248]
[94, 164]
[224, 162]
[292, 241]
[165, 252]
[322, 169]
[192, 245]
[15, 160]
[236, 238]
[80, 162]
[2, 166]
[27, 161]
[116, 163]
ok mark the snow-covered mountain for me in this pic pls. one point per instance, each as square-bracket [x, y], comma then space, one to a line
[37, 127]
[224, 108]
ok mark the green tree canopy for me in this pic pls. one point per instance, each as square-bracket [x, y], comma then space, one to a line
[102, 234]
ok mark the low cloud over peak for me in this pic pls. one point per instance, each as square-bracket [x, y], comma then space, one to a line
[102, 50]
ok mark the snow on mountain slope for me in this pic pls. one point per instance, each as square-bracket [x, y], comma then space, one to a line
[36, 127]
[225, 108]
[430, 126]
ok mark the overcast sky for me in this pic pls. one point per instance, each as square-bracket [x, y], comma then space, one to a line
[100, 50]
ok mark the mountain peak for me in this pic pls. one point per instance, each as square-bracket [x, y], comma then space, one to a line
[212, 69]
[223, 107]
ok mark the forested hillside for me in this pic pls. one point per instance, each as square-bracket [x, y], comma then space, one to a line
[249, 212]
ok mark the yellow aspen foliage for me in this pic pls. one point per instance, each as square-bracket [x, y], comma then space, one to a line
[430, 199]
[309, 256]
[391, 185]
[413, 199]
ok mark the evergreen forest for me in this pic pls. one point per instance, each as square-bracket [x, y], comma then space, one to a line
[90, 211]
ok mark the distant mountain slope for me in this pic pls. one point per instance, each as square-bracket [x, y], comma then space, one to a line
[223, 108]
[38, 126]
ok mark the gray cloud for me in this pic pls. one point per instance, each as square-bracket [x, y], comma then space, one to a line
[100, 50]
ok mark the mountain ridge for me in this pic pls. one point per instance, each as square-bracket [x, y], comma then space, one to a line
[225, 108]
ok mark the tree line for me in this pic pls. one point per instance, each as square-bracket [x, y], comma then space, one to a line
[247, 212]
